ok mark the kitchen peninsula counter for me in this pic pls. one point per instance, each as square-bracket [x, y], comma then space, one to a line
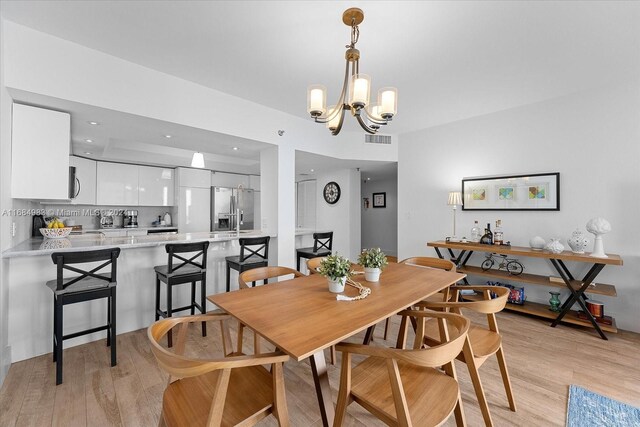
[29, 314]
[36, 246]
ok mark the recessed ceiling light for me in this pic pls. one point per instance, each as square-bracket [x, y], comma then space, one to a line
[89, 140]
[93, 123]
[167, 136]
[312, 170]
[235, 148]
[87, 152]
[368, 179]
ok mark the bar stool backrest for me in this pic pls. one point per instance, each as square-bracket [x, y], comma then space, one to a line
[63, 260]
[179, 248]
[322, 241]
[247, 245]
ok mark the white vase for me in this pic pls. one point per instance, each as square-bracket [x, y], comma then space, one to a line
[336, 286]
[537, 243]
[555, 246]
[371, 274]
[577, 242]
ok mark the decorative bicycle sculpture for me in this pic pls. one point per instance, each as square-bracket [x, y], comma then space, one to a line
[511, 265]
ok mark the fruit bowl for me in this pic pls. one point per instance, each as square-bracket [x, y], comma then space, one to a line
[55, 233]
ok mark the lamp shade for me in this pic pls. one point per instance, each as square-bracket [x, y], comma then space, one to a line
[455, 198]
[197, 161]
[316, 100]
[388, 101]
[360, 90]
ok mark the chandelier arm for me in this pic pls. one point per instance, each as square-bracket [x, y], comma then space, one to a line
[339, 127]
[330, 116]
[373, 119]
[364, 125]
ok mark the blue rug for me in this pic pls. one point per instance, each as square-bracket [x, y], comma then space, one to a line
[586, 408]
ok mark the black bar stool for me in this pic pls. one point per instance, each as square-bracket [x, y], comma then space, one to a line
[249, 258]
[322, 243]
[88, 286]
[189, 271]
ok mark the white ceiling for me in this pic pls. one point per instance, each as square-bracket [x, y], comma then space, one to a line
[310, 165]
[449, 60]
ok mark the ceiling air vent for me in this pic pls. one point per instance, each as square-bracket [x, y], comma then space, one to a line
[377, 139]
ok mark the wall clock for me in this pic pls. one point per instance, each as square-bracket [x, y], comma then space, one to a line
[332, 193]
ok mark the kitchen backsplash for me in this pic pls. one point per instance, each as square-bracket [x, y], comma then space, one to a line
[85, 215]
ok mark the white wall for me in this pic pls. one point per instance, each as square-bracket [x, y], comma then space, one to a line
[591, 138]
[343, 217]
[380, 225]
[7, 217]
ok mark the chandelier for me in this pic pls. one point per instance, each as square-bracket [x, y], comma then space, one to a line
[356, 88]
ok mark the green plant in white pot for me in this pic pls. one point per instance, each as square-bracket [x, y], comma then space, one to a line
[374, 261]
[336, 269]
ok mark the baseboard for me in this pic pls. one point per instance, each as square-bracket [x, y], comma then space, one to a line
[5, 363]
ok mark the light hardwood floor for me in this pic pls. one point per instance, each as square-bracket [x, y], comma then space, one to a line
[542, 361]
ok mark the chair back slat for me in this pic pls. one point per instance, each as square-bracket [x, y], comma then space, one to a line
[322, 241]
[254, 246]
[63, 261]
[200, 249]
[265, 273]
[313, 264]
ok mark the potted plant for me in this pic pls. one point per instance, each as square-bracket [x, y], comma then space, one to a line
[374, 261]
[336, 269]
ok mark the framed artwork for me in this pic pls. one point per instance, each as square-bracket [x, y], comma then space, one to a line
[536, 192]
[379, 200]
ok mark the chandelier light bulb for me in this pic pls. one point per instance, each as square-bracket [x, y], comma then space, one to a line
[388, 101]
[316, 100]
[360, 90]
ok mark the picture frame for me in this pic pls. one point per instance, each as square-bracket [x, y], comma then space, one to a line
[379, 200]
[533, 192]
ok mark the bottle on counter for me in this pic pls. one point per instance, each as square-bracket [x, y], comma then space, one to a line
[498, 238]
[487, 237]
[476, 232]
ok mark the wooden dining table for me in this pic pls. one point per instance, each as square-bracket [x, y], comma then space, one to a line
[302, 318]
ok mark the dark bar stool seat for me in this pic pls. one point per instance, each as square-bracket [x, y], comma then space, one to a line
[322, 243]
[249, 257]
[88, 286]
[187, 270]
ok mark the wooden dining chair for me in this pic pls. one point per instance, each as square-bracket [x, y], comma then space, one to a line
[405, 387]
[255, 275]
[482, 342]
[313, 264]
[430, 262]
[229, 390]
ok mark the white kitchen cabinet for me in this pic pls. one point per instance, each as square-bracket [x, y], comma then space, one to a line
[85, 185]
[40, 145]
[222, 179]
[155, 186]
[194, 178]
[306, 196]
[254, 182]
[194, 207]
[117, 184]
[134, 232]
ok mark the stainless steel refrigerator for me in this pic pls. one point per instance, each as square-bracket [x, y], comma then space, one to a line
[225, 201]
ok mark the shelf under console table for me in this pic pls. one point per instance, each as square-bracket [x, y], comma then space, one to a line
[575, 286]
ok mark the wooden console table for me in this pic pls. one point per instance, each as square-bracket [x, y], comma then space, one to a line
[577, 287]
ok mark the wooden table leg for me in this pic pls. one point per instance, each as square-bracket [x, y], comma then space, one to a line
[323, 390]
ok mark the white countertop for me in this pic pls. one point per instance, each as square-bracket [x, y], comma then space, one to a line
[36, 246]
[106, 230]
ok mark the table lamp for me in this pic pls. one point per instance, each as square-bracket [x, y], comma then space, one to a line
[455, 199]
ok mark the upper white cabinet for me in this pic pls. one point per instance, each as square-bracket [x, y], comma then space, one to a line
[85, 185]
[195, 178]
[40, 153]
[117, 184]
[155, 186]
[222, 179]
